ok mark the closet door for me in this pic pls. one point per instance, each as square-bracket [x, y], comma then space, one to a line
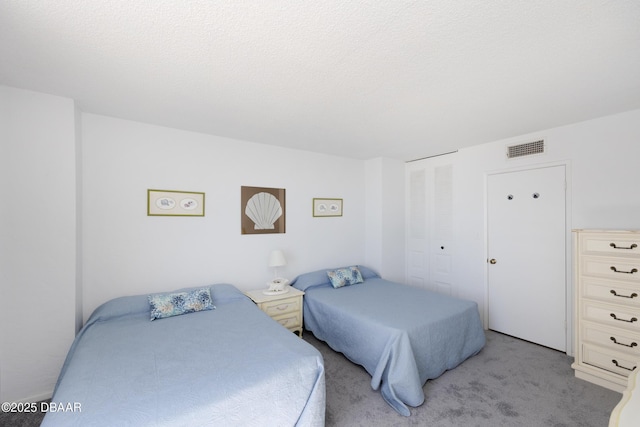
[441, 245]
[526, 250]
[417, 259]
[430, 225]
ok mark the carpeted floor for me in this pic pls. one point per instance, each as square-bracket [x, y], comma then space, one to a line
[509, 383]
[25, 419]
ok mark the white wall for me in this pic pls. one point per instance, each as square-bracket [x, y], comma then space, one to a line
[37, 241]
[76, 233]
[603, 162]
[75, 184]
[126, 252]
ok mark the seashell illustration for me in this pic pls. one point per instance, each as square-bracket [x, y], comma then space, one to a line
[166, 203]
[264, 210]
[188, 204]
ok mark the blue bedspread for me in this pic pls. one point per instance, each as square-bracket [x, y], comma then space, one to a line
[229, 366]
[400, 334]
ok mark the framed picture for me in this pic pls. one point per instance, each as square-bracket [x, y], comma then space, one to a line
[327, 207]
[174, 203]
[262, 210]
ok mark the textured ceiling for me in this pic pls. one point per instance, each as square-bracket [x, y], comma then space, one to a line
[399, 79]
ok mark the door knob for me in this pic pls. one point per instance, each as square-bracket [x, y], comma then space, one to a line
[492, 261]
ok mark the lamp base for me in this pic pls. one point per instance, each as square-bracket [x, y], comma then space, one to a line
[277, 284]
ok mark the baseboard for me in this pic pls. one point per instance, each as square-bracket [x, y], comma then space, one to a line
[611, 384]
[35, 398]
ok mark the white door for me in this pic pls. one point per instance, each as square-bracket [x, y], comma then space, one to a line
[441, 244]
[417, 259]
[526, 251]
[430, 226]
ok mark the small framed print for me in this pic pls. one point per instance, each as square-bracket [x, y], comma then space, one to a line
[327, 207]
[174, 203]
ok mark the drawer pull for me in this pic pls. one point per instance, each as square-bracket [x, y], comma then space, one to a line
[633, 343]
[633, 295]
[615, 362]
[613, 245]
[633, 270]
[633, 319]
[282, 307]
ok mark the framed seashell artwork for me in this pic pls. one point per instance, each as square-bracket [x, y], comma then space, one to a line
[327, 207]
[262, 210]
[174, 203]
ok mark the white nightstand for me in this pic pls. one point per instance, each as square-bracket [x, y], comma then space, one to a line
[285, 308]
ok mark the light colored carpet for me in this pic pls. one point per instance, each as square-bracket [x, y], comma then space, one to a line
[511, 382]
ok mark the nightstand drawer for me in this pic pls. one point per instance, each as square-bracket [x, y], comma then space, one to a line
[290, 320]
[283, 306]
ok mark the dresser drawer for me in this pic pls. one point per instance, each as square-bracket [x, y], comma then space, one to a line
[283, 306]
[627, 245]
[618, 316]
[621, 269]
[613, 339]
[290, 320]
[611, 292]
[609, 360]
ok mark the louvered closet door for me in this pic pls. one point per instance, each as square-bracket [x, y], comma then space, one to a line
[526, 249]
[441, 246]
[417, 259]
[430, 227]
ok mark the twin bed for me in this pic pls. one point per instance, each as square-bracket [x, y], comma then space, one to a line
[402, 335]
[228, 363]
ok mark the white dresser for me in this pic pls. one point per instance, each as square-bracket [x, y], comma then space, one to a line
[607, 306]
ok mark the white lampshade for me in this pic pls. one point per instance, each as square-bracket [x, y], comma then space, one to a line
[276, 259]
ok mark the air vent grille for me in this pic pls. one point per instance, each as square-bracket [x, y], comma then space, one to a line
[520, 150]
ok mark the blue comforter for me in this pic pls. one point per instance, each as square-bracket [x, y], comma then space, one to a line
[229, 366]
[400, 334]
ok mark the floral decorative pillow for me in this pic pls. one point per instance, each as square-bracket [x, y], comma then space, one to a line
[177, 303]
[345, 276]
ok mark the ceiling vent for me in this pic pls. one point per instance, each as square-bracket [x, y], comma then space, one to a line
[527, 149]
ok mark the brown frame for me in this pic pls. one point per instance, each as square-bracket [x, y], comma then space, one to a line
[265, 204]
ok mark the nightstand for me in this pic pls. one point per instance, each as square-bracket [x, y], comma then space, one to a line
[285, 308]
